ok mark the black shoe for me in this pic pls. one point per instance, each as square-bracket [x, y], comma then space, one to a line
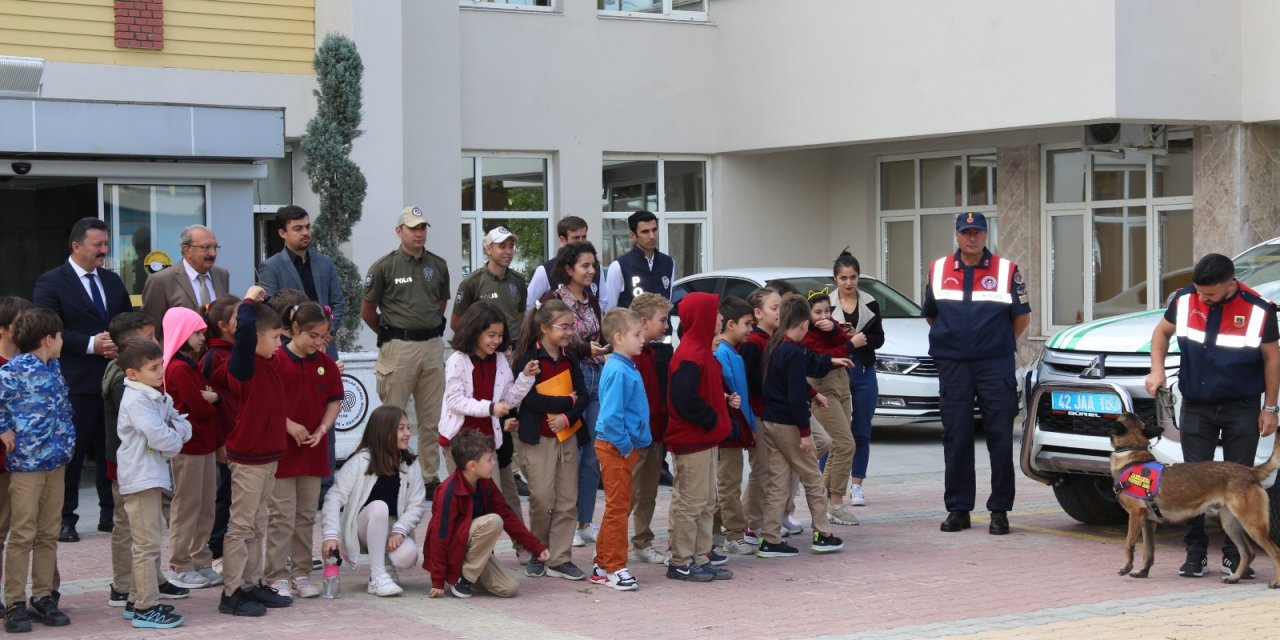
[68, 534]
[171, 591]
[956, 520]
[268, 597]
[106, 527]
[16, 619]
[780, 550]
[665, 478]
[522, 487]
[825, 543]
[117, 598]
[1229, 564]
[45, 611]
[431, 489]
[461, 588]
[240, 604]
[1194, 566]
[999, 523]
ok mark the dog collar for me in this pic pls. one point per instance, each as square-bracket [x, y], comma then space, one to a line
[1127, 449]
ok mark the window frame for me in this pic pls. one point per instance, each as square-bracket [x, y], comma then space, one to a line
[116, 251]
[504, 6]
[917, 212]
[1088, 206]
[669, 12]
[667, 218]
[476, 216]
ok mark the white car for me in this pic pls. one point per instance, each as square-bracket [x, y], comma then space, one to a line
[906, 374]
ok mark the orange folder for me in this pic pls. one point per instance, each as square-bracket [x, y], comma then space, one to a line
[560, 385]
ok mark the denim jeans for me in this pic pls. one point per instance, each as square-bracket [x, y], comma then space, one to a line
[588, 465]
[866, 390]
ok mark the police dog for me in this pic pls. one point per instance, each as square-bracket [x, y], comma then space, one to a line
[1190, 489]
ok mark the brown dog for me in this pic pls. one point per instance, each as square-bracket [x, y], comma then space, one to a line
[1190, 489]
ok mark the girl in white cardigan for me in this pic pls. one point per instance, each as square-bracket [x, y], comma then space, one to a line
[376, 501]
[480, 391]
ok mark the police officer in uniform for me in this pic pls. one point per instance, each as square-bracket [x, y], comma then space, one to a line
[495, 282]
[410, 287]
[976, 306]
[643, 269]
[1229, 358]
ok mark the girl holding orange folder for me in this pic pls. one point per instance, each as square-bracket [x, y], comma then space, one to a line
[550, 421]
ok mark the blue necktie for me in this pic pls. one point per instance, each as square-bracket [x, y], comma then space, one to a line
[97, 297]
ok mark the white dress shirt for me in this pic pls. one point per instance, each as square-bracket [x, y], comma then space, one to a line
[84, 282]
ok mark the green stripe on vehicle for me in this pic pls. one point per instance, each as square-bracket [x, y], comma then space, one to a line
[1075, 340]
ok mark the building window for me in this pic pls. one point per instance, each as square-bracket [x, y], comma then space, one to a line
[269, 194]
[677, 190]
[1112, 221]
[513, 193]
[147, 218]
[918, 198]
[534, 5]
[675, 9]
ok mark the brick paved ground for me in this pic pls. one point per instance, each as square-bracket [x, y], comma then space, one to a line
[899, 577]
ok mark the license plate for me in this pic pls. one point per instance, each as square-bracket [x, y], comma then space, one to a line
[1087, 404]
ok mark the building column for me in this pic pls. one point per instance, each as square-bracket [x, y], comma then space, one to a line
[1237, 184]
[1018, 207]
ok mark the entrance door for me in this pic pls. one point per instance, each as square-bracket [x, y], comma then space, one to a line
[37, 214]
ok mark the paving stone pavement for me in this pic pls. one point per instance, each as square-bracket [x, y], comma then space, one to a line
[898, 577]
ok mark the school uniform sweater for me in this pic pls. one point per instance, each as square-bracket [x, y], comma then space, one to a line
[471, 385]
[310, 384]
[213, 366]
[536, 406]
[259, 434]
[183, 382]
[455, 504]
[655, 390]
[786, 389]
[698, 417]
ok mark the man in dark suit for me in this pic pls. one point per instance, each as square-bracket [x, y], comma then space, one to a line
[192, 283]
[86, 297]
[300, 267]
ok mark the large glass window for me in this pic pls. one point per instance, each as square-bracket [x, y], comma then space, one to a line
[511, 192]
[1116, 221]
[676, 190]
[678, 9]
[146, 218]
[925, 193]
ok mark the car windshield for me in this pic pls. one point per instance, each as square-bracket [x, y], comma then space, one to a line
[1259, 265]
[892, 303]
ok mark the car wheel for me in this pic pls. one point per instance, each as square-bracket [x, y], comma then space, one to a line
[1090, 500]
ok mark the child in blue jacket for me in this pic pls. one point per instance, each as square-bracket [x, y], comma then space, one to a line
[731, 513]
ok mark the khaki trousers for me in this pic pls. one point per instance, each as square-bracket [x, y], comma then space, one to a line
[551, 469]
[416, 368]
[693, 501]
[837, 421]
[122, 547]
[732, 512]
[146, 526]
[644, 493]
[506, 482]
[479, 565]
[35, 515]
[251, 489]
[195, 488]
[291, 519]
[786, 457]
[821, 445]
[757, 481]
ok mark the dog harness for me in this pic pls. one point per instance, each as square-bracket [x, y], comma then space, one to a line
[1141, 480]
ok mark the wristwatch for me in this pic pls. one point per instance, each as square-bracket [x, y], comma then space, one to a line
[1272, 408]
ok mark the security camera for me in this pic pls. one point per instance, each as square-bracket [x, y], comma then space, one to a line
[21, 168]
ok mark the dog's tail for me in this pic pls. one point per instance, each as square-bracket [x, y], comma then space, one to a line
[1269, 467]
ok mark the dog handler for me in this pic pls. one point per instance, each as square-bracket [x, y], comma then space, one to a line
[1227, 337]
[976, 306]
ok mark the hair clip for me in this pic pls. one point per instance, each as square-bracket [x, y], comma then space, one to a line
[537, 306]
[328, 313]
[820, 292]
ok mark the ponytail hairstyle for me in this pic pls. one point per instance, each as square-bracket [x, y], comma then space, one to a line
[307, 315]
[380, 437]
[793, 313]
[479, 317]
[284, 302]
[845, 259]
[544, 313]
[222, 309]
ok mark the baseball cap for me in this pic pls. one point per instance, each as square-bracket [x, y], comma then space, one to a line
[412, 216]
[967, 221]
[498, 235]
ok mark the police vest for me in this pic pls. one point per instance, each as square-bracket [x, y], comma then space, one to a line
[638, 278]
[1221, 359]
[549, 268]
[974, 317]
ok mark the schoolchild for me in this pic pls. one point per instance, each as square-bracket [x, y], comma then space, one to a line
[764, 306]
[10, 307]
[826, 337]
[220, 316]
[645, 476]
[736, 316]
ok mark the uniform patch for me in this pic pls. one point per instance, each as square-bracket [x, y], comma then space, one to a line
[595, 290]
[428, 273]
[513, 291]
[319, 371]
[368, 280]
[666, 282]
[416, 212]
[458, 298]
[1238, 321]
[989, 283]
[1017, 277]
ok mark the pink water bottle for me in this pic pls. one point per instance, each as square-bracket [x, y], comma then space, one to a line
[332, 586]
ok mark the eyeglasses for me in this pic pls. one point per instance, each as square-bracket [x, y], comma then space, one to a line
[562, 327]
[205, 247]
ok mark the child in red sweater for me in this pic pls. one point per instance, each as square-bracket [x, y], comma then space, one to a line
[825, 337]
[220, 316]
[653, 310]
[194, 469]
[467, 516]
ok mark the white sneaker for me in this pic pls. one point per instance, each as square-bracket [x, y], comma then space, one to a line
[305, 589]
[791, 526]
[622, 580]
[589, 533]
[578, 540]
[381, 585]
[189, 580]
[856, 497]
[842, 515]
[282, 587]
[649, 555]
[210, 575]
[739, 547]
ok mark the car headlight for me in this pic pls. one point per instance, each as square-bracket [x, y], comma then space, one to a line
[900, 365]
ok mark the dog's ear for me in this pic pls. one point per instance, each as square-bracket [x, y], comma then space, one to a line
[1118, 428]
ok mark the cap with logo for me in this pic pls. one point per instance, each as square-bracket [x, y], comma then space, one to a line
[966, 221]
[498, 235]
[413, 217]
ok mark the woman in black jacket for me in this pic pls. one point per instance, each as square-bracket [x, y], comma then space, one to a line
[859, 313]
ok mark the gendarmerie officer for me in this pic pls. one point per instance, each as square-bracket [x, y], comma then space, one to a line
[1229, 358]
[976, 305]
[410, 286]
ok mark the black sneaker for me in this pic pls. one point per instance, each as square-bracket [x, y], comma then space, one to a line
[825, 543]
[16, 619]
[461, 588]
[717, 573]
[1229, 564]
[240, 604]
[566, 570]
[535, 569]
[171, 591]
[780, 550]
[431, 489]
[522, 487]
[128, 612]
[689, 573]
[1195, 565]
[717, 559]
[268, 597]
[45, 611]
[160, 616]
[117, 598]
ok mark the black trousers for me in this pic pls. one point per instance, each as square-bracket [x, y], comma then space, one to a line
[1201, 424]
[991, 382]
[91, 443]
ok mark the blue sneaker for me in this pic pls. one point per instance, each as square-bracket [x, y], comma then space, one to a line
[717, 573]
[717, 559]
[160, 616]
[689, 572]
